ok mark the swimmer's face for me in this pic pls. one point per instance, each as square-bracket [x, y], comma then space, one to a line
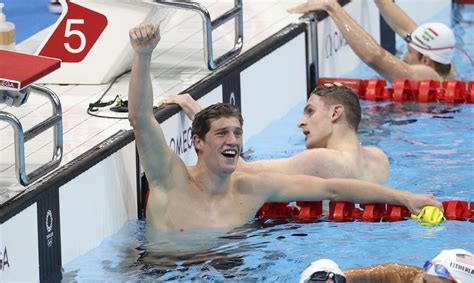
[411, 57]
[316, 123]
[221, 148]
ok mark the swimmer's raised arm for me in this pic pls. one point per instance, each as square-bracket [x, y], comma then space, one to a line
[156, 157]
[284, 188]
[396, 18]
[365, 46]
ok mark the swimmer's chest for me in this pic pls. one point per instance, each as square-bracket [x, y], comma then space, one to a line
[201, 210]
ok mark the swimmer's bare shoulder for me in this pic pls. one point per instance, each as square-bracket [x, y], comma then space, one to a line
[377, 154]
[378, 161]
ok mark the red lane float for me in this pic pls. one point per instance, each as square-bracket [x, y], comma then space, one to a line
[310, 209]
[347, 211]
[470, 93]
[342, 211]
[465, 1]
[396, 213]
[456, 210]
[376, 90]
[450, 91]
[472, 211]
[428, 91]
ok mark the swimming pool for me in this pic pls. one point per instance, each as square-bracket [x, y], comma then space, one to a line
[430, 152]
[76, 232]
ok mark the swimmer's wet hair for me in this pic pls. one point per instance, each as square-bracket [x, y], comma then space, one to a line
[203, 119]
[337, 93]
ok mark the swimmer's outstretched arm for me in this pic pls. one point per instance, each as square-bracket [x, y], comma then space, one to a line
[365, 46]
[396, 18]
[314, 162]
[155, 156]
[285, 188]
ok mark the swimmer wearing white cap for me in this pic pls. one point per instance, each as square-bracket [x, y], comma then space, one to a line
[448, 266]
[430, 46]
[323, 270]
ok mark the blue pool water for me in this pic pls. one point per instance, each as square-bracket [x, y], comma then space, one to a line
[430, 149]
[29, 16]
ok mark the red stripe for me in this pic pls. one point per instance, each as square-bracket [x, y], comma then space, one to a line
[433, 31]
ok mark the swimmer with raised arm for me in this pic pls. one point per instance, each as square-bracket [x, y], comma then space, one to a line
[430, 48]
[210, 194]
[331, 118]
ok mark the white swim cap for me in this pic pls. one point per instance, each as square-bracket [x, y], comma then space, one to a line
[321, 265]
[435, 40]
[455, 264]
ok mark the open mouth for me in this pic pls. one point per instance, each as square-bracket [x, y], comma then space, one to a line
[229, 153]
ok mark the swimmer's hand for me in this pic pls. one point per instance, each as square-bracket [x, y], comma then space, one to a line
[312, 5]
[186, 102]
[416, 202]
[144, 38]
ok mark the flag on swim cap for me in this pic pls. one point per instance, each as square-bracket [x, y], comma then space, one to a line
[433, 36]
[458, 262]
[320, 265]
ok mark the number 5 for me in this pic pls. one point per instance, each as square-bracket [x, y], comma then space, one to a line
[70, 32]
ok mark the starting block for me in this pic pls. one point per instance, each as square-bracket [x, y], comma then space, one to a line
[17, 72]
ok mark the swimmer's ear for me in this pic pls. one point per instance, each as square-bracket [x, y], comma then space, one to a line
[426, 60]
[197, 142]
[336, 112]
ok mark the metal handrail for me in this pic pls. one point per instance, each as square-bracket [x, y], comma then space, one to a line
[209, 26]
[55, 120]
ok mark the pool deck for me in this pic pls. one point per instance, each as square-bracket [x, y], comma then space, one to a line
[177, 64]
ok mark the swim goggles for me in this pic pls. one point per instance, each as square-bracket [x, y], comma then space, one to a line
[325, 275]
[408, 38]
[437, 270]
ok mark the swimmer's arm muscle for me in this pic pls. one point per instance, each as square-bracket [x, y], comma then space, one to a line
[312, 162]
[155, 155]
[396, 18]
[364, 45]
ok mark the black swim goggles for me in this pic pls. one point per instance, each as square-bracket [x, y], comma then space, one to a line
[420, 44]
[320, 276]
